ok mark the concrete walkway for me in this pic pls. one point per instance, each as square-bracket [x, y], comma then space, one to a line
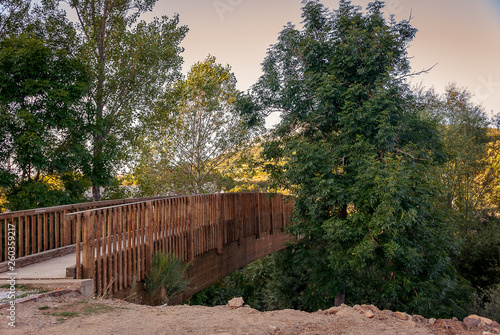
[49, 274]
[54, 268]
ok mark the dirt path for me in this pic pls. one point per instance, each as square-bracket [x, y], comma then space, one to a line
[66, 312]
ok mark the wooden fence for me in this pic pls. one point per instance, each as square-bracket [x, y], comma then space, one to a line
[118, 242]
[32, 231]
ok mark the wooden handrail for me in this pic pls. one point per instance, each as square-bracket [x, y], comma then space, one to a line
[43, 229]
[118, 242]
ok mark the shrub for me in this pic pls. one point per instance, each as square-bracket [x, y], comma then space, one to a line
[166, 278]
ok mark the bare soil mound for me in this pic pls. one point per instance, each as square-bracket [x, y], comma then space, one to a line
[67, 312]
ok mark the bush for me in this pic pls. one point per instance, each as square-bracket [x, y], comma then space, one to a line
[166, 278]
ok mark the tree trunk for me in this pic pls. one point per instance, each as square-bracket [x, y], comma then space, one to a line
[96, 192]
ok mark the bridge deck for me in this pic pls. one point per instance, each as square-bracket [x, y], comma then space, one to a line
[54, 268]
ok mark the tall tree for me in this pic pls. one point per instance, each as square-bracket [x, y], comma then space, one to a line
[468, 180]
[190, 157]
[41, 124]
[130, 63]
[356, 154]
[13, 16]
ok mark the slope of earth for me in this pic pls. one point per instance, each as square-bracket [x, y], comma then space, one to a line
[66, 312]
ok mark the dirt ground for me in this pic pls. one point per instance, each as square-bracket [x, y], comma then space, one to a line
[67, 312]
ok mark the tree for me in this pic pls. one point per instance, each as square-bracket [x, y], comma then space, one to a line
[131, 63]
[357, 155]
[468, 181]
[41, 125]
[13, 14]
[190, 157]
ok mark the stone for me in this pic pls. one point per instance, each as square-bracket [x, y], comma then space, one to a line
[417, 318]
[332, 310]
[432, 321]
[471, 322]
[482, 321]
[401, 316]
[236, 303]
[369, 314]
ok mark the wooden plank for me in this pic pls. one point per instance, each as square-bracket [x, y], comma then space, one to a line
[27, 238]
[3, 252]
[238, 218]
[140, 236]
[99, 251]
[114, 243]
[119, 239]
[88, 245]
[78, 222]
[189, 218]
[219, 224]
[57, 229]
[134, 242]
[20, 236]
[148, 216]
[104, 247]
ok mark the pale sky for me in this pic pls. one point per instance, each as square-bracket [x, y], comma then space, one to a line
[461, 36]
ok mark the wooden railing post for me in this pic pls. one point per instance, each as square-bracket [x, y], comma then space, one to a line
[238, 218]
[189, 217]
[220, 224]
[78, 219]
[88, 245]
[259, 209]
[149, 235]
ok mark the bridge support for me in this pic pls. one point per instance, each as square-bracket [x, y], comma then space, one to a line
[211, 266]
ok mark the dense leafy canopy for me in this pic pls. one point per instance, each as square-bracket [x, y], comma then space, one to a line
[131, 63]
[357, 154]
[41, 125]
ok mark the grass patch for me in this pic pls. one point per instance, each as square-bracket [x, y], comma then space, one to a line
[43, 308]
[97, 309]
[66, 314]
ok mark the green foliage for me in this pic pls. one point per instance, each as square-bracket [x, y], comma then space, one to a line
[166, 278]
[44, 192]
[12, 16]
[269, 283]
[359, 157]
[478, 258]
[195, 130]
[131, 65]
[468, 179]
[42, 129]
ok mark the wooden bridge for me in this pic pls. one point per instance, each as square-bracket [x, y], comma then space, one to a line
[113, 242]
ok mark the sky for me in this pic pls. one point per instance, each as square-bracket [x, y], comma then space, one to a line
[460, 37]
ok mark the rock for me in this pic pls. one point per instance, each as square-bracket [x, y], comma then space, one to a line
[432, 321]
[332, 310]
[454, 319]
[417, 318]
[482, 321]
[236, 303]
[369, 314]
[471, 322]
[357, 308]
[401, 316]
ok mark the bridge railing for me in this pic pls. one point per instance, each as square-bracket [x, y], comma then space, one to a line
[32, 231]
[118, 242]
